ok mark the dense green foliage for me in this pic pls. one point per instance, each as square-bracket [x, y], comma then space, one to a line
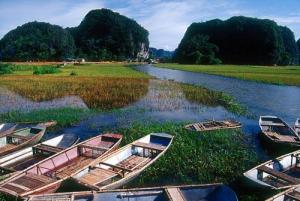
[106, 35]
[240, 40]
[198, 50]
[40, 70]
[102, 35]
[37, 41]
[6, 69]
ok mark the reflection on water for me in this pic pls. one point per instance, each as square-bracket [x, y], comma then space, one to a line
[260, 98]
[164, 102]
[10, 101]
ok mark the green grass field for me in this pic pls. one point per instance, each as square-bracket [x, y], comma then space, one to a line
[100, 70]
[275, 75]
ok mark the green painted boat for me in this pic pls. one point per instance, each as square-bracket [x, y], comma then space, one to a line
[23, 138]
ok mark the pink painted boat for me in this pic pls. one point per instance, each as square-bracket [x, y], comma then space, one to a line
[47, 175]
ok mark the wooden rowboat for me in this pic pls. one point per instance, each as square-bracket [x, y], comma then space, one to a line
[280, 173]
[297, 126]
[292, 194]
[275, 130]
[24, 158]
[7, 128]
[47, 175]
[209, 192]
[126, 163]
[22, 138]
[213, 125]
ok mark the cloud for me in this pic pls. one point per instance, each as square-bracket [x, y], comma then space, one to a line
[166, 20]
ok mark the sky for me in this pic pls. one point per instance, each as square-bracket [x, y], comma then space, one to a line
[166, 20]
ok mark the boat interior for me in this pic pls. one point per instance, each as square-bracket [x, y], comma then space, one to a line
[277, 130]
[127, 160]
[61, 165]
[30, 156]
[210, 125]
[293, 195]
[281, 173]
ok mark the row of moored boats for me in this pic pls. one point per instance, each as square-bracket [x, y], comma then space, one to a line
[282, 172]
[35, 171]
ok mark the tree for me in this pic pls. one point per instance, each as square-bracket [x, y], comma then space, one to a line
[290, 54]
[244, 40]
[37, 41]
[198, 50]
[103, 29]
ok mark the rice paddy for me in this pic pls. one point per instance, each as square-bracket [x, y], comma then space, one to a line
[100, 93]
[269, 74]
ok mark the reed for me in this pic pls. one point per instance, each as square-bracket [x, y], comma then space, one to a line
[97, 92]
[201, 95]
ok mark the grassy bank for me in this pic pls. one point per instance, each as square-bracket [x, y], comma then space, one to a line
[92, 70]
[275, 75]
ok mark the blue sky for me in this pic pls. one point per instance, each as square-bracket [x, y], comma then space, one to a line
[166, 20]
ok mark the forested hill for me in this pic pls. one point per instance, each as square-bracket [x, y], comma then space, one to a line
[37, 41]
[102, 35]
[238, 40]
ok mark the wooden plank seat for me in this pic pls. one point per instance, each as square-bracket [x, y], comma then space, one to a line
[151, 146]
[72, 166]
[20, 137]
[174, 194]
[98, 148]
[98, 175]
[198, 127]
[133, 162]
[48, 148]
[279, 175]
[294, 195]
[27, 182]
[272, 124]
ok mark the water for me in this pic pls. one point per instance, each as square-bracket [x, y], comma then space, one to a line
[164, 102]
[259, 98]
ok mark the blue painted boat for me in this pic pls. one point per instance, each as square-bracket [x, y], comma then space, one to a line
[207, 192]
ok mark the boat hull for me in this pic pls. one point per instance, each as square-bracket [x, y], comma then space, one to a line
[34, 140]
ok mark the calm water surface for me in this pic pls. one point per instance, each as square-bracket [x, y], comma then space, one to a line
[259, 98]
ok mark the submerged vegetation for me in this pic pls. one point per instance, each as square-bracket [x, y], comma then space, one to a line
[275, 75]
[219, 156]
